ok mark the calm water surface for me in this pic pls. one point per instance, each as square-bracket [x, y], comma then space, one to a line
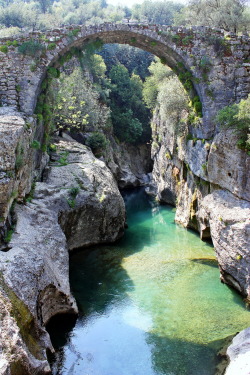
[151, 304]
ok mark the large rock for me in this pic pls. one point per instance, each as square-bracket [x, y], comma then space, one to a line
[229, 220]
[80, 193]
[228, 166]
[239, 353]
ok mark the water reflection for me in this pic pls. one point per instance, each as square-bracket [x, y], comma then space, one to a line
[152, 304]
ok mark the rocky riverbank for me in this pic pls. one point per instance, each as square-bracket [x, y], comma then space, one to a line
[77, 204]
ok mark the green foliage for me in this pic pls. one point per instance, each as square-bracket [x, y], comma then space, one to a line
[134, 59]
[63, 159]
[172, 100]
[8, 235]
[152, 83]
[130, 117]
[224, 14]
[4, 49]
[176, 38]
[18, 88]
[74, 102]
[13, 43]
[74, 191]
[187, 40]
[196, 103]
[33, 67]
[237, 117]
[51, 46]
[157, 12]
[31, 48]
[71, 203]
[226, 117]
[53, 72]
[36, 145]
[96, 141]
[75, 32]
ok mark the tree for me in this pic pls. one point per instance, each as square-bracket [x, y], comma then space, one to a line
[129, 116]
[157, 12]
[225, 14]
[44, 5]
[152, 83]
[76, 105]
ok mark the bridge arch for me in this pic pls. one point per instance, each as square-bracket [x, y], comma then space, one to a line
[211, 63]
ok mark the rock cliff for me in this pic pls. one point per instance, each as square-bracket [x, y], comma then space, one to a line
[77, 204]
[208, 180]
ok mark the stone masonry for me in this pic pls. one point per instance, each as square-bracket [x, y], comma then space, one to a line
[217, 63]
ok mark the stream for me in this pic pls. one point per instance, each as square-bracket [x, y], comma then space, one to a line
[151, 304]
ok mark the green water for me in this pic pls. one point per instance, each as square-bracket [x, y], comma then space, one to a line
[151, 304]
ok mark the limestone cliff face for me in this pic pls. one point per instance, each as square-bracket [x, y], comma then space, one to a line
[77, 204]
[131, 165]
[208, 181]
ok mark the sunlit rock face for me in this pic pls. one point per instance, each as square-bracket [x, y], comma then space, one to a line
[208, 181]
[238, 354]
[77, 204]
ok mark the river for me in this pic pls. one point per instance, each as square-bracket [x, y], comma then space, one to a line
[151, 304]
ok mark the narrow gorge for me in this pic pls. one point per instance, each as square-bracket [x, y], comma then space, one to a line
[52, 203]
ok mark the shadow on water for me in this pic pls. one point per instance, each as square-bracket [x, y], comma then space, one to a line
[172, 356]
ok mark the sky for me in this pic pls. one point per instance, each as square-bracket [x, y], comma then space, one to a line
[129, 3]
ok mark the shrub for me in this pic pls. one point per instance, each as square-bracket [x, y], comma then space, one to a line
[4, 49]
[36, 145]
[8, 235]
[237, 117]
[53, 72]
[31, 48]
[13, 43]
[51, 46]
[74, 191]
[96, 141]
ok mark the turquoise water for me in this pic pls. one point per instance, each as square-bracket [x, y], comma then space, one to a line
[152, 304]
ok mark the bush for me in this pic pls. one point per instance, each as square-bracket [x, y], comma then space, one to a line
[51, 46]
[4, 49]
[97, 141]
[31, 48]
[237, 117]
[53, 72]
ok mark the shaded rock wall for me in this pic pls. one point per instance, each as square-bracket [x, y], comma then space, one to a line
[131, 165]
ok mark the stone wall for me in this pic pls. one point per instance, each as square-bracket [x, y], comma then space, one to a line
[214, 62]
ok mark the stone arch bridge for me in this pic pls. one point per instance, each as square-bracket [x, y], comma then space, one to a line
[211, 63]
